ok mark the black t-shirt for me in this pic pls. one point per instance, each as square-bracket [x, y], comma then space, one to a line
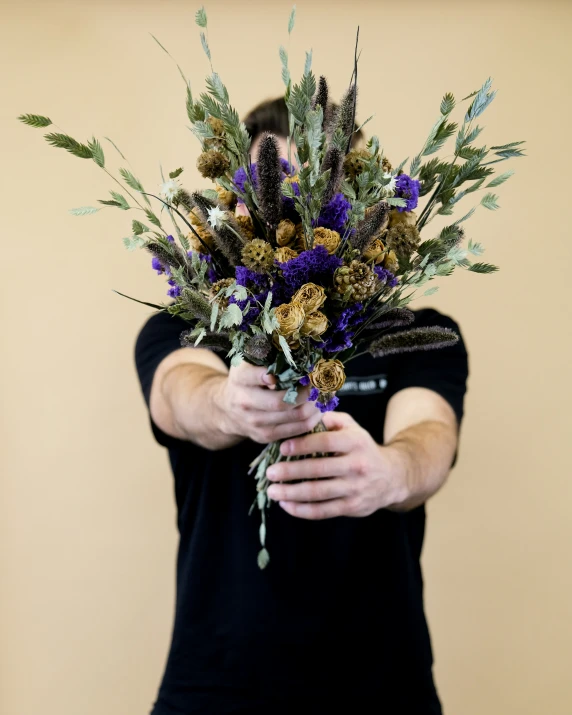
[336, 620]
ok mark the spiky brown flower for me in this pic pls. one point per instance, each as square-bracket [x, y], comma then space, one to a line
[269, 172]
[321, 96]
[334, 162]
[285, 233]
[196, 304]
[354, 163]
[284, 254]
[246, 227]
[226, 236]
[212, 341]
[406, 341]
[212, 164]
[258, 255]
[403, 240]
[357, 281]
[204, 234]
[375, 220]
[346, 112]
[257, 347]
[327, 238]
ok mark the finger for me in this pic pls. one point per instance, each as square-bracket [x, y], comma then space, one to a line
[309, 469]
[310, 491]
[341, 442]
[251, 375]
[286, 416]
[317, 511]
[293, 429]
[338, 420]
[267, 400]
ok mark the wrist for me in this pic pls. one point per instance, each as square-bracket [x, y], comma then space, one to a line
[397, 457]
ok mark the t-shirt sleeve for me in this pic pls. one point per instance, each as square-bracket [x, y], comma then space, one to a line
[444, 370]
[159, 337]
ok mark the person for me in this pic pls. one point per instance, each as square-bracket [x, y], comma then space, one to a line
[336, 620]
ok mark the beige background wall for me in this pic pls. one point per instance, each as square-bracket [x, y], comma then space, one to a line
[87, 527]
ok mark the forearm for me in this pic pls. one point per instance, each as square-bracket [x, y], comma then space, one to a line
[190, 392]
[421, 456]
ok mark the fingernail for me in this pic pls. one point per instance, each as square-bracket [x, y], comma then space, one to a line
[286, 447]
[271, 491]
[270, 472]
[268, 379]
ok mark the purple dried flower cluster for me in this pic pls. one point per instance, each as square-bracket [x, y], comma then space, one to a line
[408, 189]
[327, 406]
[386, 276]
[334, 214]
[304, 381]
[313, 266]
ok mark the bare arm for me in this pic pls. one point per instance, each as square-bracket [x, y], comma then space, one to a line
[195, 397]
[420, 441]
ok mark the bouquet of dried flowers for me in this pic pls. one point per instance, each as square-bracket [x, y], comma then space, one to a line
[330, 251]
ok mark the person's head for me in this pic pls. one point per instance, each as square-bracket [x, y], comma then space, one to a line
[271, 115]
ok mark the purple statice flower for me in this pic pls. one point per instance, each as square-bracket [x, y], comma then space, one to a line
[156, 265]
[334, 214]
[313, 266]
[170, 239]
[339, 336]
[328, 406]
[314, 394]
[287, 168]
[250, 279]
[408, 189]
[304, 381]
[386, 276]
[206, 258]
[241, 177]
[175, 290]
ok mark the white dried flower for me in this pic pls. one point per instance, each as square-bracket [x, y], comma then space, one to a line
[216, 216]
[169, 188]
[389, 188]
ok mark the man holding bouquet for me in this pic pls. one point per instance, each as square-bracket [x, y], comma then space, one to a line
[336, 621]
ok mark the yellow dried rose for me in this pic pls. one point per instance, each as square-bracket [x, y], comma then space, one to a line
[390, 262]
[327, 238]
[374, 252]
[290, 317]
[409, 218]
[285, 233]
[310, 297]
[315, 324]
[246, 227]
[328, 375]
[228, 198]
[284, 254]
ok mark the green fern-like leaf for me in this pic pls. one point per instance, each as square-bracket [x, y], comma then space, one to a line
[483, 268]
[291, 20]
[138, 228]
[85, 210]
[201, 17]
[35, 120]
[205, 45]
[489, 201]
[498, 180]
[447, 104]
[121, 200]
[110, 203]
[130, 180]
[152, 218]
[97, 152]
[63, 141]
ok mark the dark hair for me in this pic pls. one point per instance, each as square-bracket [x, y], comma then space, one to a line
[272, 116]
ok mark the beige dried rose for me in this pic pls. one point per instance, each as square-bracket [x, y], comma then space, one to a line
[328, 375]
[409, 218]
[327, 238]
[285, 233]
[284, 254]
[310, 296]
[390, 262]
[290, 317]
[315, 324]
[374, 252]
